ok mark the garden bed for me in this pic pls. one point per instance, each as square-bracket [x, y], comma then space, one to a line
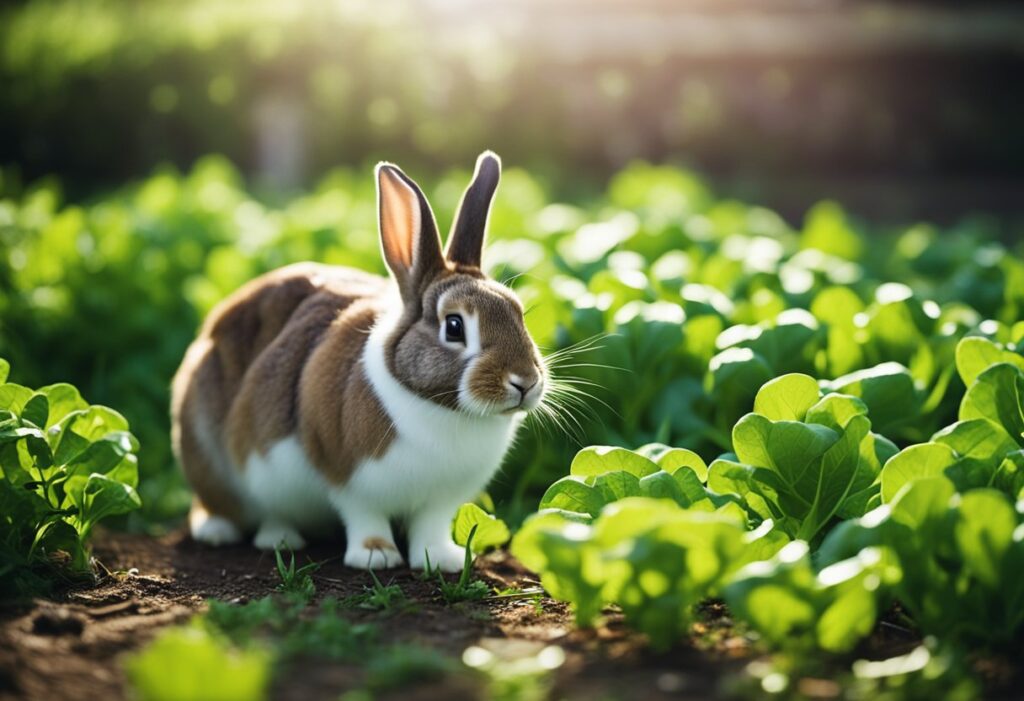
[157, 582]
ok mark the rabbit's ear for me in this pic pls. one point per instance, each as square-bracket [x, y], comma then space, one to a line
[408, 232]
[466, 242]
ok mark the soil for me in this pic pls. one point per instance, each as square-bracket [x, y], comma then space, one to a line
[72, 646]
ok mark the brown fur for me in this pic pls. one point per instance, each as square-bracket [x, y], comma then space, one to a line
[240, 377]
[282, 356]
[342, 420]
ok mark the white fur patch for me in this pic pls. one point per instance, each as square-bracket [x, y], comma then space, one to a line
[284, 488]
[438, 459]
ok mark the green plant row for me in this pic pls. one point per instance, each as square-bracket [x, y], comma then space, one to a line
[663, 308]
[814, 526]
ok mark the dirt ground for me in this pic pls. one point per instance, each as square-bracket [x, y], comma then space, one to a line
[72, 647]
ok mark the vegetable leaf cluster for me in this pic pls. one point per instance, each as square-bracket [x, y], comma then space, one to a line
[815, 525]
[64, 466]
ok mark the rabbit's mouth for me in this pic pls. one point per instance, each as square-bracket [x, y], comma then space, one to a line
[524, 398]
[490, 389]
[509, 401]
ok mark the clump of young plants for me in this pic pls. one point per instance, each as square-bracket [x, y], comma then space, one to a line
[295, 581]
[379, 597]
[465, 588]
[64, 467]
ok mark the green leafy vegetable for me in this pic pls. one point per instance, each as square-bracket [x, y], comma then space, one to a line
[805, 462]
[194, 663]
[651, 557]
[490, 532]
[794, 606]
[64, 466]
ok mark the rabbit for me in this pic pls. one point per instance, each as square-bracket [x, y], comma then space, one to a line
[318, 394]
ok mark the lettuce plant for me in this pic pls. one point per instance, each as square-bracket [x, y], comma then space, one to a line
[652, 557]
[803, 459]
[985, 448]
[795, 607]
[64, 466]
[959, 557]
[600, 475]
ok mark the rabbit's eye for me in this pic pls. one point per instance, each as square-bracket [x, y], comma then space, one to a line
[453, 330]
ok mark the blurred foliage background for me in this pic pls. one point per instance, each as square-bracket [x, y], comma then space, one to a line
[119, 230]
[909, 108]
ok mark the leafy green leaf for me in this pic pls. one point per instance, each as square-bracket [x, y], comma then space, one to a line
[976, 438]
[671, 459]
[998, 395]
[788, 447]
[985, 533]
[103, 496]
[810, 468]
[559, 550]
[616, 485]
[491, 532]
[14, 397]
[728, 477]
[597, 460]
[1009, 477]
[922, 501]
[572, 493]
[976, 354]
[36, 410]
[888, 390]
[916, 462]
[63, 399]
[836, 410]
[794, 607]
[787, 398]
[193, 663]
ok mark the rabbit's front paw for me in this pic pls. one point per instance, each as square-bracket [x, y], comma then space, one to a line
[373, 554]
[445, 556]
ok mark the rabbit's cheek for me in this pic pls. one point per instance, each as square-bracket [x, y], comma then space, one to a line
[495, 385]
[485, 381]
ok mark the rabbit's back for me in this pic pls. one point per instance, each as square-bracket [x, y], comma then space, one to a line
[236, 390]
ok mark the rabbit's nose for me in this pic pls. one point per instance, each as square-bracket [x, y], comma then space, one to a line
[521, 385]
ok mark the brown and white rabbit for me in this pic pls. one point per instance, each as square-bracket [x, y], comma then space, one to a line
[316, 393]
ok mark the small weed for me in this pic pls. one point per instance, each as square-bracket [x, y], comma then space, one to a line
[296, 582]
[384, 598]
[428, 572]
[465, 588]
[379, 597]
[535, 595]
[538, 603]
